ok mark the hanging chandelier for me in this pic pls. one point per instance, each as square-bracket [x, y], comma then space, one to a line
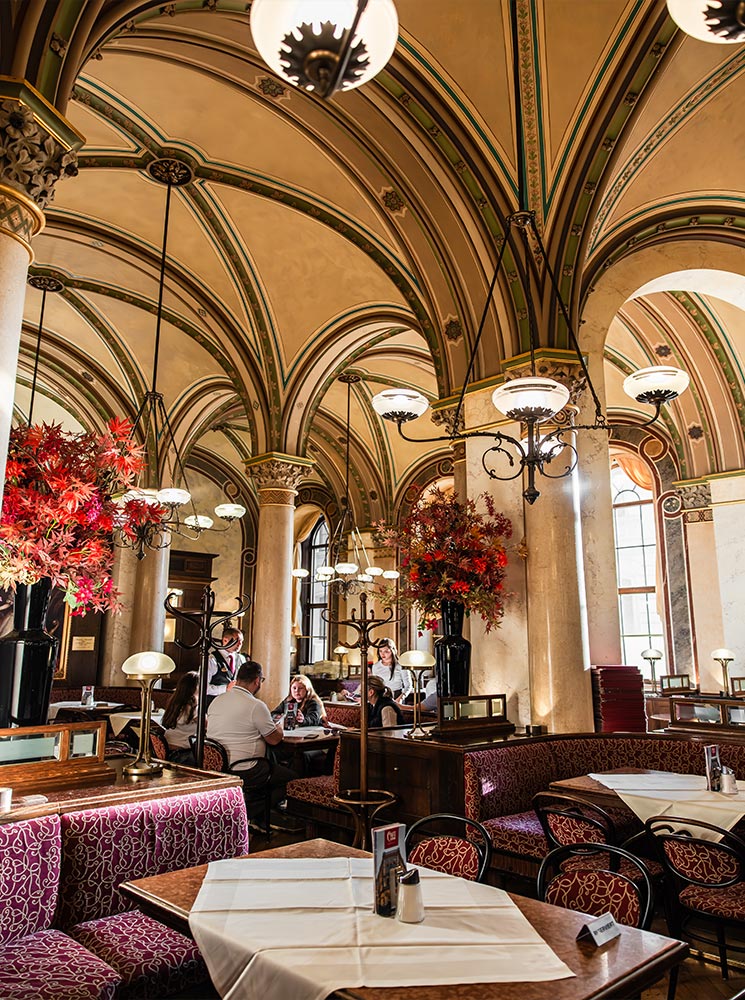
[719, 21]
[349, 569]
[152, 512]
[324, 46]
[530, 400]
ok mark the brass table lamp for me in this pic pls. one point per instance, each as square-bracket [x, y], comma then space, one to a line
[147, 668]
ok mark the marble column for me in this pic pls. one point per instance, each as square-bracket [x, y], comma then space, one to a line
[117, 628]
[148, 609]
[36, 149]
[728, 506]
[276, 478]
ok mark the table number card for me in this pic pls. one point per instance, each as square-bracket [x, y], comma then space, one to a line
[600, 931]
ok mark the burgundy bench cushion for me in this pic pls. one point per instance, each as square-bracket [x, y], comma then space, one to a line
[503, 780]
[343, 715]
[152, 960]
[49, 965]
[520, 833]
[318, 790]
[29, 875]
[102, 848]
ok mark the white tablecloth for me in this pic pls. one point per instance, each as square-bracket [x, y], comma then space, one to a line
[301, 928]
[306, 733]
[57, 705]
[660, 793]
[120, 719]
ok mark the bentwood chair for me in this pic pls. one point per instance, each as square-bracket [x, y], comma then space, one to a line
[587, 887]
[158, 744]
[216, 759]
[706, 869]
[567, 819]
[466, 856]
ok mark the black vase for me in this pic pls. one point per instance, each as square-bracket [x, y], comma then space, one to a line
[452, 653]
[27, 659]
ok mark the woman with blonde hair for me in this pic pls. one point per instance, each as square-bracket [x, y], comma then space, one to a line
[302, 702]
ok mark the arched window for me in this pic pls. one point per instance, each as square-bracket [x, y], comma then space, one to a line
[313, 644]
[636, 566]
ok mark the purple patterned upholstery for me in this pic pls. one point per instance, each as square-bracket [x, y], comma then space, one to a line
[518, 834]
[702, 862]
[123, 695]
[504, 779]
[152, 960]
[451, 855]
[318, 790]
[596, 893]
[103, 847]
[49, 965]
[29, 875]
[727, 903]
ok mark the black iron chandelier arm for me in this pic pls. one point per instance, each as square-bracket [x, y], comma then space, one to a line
[657, 411]
[450, 438]
[345, 53]
[501, 440]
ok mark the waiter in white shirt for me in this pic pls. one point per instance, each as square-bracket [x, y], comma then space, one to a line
[224, 663]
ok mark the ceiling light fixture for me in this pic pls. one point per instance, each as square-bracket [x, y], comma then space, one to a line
[155, 510]
[531, 400]
[719, 21]
[324, 46]
[349, 568]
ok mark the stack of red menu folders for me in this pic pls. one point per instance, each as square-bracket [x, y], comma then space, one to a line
[618, 699]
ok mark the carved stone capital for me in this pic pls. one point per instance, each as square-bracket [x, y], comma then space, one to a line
[445, 419]
[32, 158]
[277, 475]
[694, 496]
[566, 371]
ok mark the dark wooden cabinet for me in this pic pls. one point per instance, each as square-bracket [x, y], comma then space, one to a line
[189, 572]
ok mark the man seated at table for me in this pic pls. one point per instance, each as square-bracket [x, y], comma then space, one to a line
[244, 726]
[224, 663]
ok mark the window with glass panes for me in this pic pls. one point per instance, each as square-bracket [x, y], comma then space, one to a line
[314, 601]
[636, 561]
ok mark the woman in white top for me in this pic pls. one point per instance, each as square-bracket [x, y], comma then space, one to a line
[180, 719]
[390, 671]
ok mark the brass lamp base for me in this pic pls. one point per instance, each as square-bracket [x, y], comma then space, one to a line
[364, 810]
[142, 768]
[418, 733]
[143, 765]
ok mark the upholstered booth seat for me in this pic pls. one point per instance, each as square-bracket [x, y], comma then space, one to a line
[49, 965]
[151, 959]
[318, 790]
[517, 838]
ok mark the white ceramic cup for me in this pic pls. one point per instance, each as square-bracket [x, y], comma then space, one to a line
[6, 798]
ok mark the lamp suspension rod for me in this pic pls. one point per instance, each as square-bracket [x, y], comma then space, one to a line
[36, 358]
[346, 51]
[161, 284]
[520, 150]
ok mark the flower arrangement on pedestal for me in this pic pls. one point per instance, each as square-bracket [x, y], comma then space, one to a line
[58, 516]
[449, 551]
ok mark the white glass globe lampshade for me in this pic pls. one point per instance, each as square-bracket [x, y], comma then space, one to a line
[346, 568]
[143, 494]
[530, 398]
[173, 497]
[651, 654]
[400, 405]
[391, 574]
[416, 658]
[200, 522]
[300, 574]
[723, 654]
[230, 511]
[364, 578]
[659, 383]
[726, 19]
[147, 664]
[374, 571]
[327, 571]
[301, 39]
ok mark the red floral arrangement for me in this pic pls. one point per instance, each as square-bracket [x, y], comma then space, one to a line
[58, 513]
[450, 551]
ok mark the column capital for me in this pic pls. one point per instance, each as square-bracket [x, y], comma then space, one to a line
[562, 366]
[37, 148]
[443, 416]
[278, 474]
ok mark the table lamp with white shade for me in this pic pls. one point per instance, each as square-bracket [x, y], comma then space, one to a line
[652, 656]
[724, 657]
[146, 667]
[417, 661]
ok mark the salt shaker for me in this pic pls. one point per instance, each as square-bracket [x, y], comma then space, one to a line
[409, 908]
[728, 782]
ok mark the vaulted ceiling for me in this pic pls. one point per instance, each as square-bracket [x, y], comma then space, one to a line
[361, 234]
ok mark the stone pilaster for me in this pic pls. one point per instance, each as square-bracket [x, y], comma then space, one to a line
[37, 148]
[276, 478]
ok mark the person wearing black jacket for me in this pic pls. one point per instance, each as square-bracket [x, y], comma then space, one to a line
[224, 663]
[302, 704]
[383, 712]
